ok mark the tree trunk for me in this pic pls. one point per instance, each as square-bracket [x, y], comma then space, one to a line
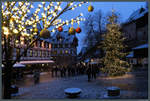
[7, 81]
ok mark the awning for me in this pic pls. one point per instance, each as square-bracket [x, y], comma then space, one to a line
[36, 62]
[18, 65]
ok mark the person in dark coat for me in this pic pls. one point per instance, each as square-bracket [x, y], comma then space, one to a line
[88, 72]
[36, 76]
[53, 69]
[93, 72]
[64, 71]
[56, 70]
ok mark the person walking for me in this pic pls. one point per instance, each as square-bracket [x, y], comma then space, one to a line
[88, 72]
[36, 76]
[56, 70]
[93, 72]
[52, 70]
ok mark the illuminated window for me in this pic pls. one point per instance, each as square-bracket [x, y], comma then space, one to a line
[55, 52]
[40, 53]
[31, 53]
[66, 51]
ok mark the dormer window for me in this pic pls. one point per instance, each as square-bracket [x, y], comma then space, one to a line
[141, 10]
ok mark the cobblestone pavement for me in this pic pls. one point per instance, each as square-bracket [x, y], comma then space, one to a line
[133, 86]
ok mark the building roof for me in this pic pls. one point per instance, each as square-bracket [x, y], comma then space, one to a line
[141, 46]
[63, 36]
[137, 14]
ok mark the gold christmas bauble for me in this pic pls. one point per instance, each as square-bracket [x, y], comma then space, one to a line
[35, 30]
[72, 31]
[90, 8]
[45, 34]
[12, 19]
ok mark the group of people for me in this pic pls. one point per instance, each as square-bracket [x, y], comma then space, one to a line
[66, 71]
[92, 70]
[63, 71]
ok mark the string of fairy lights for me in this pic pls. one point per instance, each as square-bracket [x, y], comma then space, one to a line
[18, 16]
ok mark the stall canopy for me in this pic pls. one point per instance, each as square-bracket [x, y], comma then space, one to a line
[141, 51]
[141, 46]
[17, 65]
[130, 55]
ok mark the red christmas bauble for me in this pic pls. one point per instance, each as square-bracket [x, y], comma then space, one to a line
[60, 29]
[78, 30]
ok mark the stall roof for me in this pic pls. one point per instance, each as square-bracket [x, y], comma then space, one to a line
[141, 46]
[130, 55]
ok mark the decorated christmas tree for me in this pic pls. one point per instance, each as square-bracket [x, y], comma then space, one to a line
[114, 59]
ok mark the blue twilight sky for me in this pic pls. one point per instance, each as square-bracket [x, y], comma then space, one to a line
[124, 8]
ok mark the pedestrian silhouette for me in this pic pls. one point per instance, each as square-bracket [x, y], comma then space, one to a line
[36, 76]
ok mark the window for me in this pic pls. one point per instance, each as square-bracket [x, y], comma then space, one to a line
[31, 53]
[18, 52]
[60, 45]
[66, 51]
[55, 46]
[40, 53]
[25, 54]
[47, 53]
[55, 52]
[61, 51]
[45, 45]
[36, 53]
[66, 45]
[40, 43]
